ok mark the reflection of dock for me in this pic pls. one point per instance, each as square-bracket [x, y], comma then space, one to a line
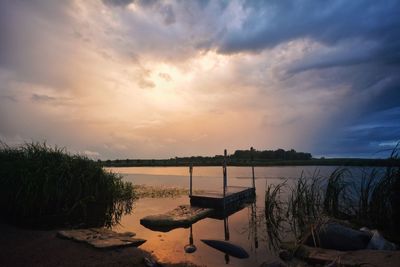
[234, 195]
[213, 204]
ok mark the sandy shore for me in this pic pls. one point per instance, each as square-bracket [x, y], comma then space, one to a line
[22, 247]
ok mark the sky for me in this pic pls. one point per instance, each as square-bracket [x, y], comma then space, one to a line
[158, 79]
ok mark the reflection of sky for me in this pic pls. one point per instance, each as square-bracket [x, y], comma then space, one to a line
[211, 177]
[158, 79]
[169, 247]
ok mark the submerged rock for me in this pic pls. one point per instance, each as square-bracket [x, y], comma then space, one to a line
[336, 236]
[182, 216]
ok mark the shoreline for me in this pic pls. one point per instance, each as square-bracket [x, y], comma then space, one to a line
[28, 247]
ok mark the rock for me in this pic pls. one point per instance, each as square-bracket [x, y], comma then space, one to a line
[379, 242]
[182, 216]
[102, 238]
[338, 237]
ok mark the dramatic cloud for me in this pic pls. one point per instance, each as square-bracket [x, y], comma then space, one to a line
[125, 78]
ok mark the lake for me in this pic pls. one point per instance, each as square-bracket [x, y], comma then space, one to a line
[245, 228]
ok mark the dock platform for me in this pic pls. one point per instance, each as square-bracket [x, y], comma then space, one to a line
[235, 195]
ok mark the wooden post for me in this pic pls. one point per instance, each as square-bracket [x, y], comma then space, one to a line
[252, 166]
[225, 182]
[226, 228]
[190, 183]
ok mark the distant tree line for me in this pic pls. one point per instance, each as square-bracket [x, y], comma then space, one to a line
[279, 154]
[239, 158]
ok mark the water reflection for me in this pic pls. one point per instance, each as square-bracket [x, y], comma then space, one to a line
[190, 248]
[244, 227]
[215, 239]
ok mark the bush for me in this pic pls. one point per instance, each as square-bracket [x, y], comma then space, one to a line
[42, 186]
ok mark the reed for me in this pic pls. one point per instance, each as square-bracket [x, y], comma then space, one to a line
[305, 203]
[336, 197]
[370, 200]
[45, 186]
[274, 214]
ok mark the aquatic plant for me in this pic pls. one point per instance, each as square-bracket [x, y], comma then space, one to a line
[45, 186]
[305, 203]
[336, 193]
[274, 214]
[147, 191]
[370, 200]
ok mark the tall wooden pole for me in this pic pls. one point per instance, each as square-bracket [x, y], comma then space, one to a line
[252, 166]
[225, 182]
[190, 183]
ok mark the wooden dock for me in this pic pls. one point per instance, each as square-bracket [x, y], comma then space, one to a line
[234, 196]
[231, 196]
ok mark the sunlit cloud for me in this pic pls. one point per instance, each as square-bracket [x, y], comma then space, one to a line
[119, 78]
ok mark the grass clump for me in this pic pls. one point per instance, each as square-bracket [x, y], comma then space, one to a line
[43, 186]
[274, 214]
[305, 203]
[371, 200]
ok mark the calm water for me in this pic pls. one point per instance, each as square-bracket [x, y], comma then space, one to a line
[245, 227]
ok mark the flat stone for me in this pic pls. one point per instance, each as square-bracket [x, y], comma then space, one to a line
[182, 216]
[102, 237]
[339, 237]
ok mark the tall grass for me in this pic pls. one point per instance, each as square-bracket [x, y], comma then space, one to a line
[45, 186]
[274, 214]
[370, 200]
[305, 203]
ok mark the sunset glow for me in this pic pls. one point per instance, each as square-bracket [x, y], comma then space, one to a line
[159, 79]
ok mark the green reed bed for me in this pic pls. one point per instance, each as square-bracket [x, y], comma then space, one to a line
[45, 186]
[371, 200]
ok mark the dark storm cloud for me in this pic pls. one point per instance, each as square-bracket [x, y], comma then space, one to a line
[270, 23]
[374, 136]
[360, 50]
